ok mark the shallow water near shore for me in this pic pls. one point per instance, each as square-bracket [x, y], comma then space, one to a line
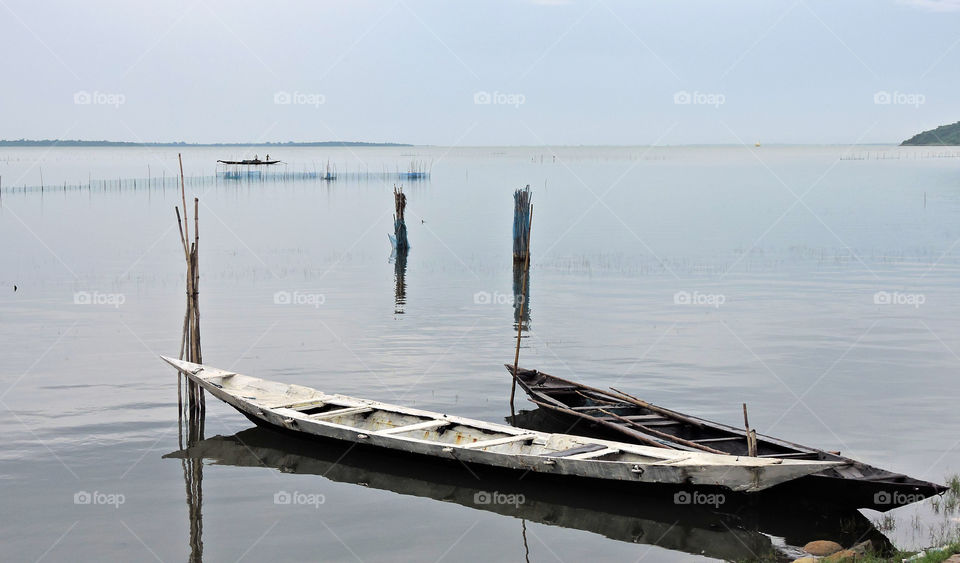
[821, 291]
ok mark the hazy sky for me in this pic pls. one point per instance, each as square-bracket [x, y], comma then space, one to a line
[587, 72]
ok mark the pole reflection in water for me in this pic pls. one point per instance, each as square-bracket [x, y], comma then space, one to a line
[399, 259]
[521, 296]
[744, 527]
[193, 479]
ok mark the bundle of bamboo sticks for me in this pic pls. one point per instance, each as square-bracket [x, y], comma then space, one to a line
[190, 344]
[522, 210]
[399, 224]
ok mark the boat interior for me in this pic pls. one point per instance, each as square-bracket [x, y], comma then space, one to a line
[445, 431]
[298, 404]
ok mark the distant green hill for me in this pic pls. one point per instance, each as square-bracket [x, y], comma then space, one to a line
[943, 135]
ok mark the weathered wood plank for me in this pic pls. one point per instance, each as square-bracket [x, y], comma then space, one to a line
[411, 427]
[339, 412]
[596, 454]
[498, 441]
[585, 448]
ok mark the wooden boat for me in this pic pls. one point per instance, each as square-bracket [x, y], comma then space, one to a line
[615, 413]
[313, 413]
[730, 532]
[251, 162]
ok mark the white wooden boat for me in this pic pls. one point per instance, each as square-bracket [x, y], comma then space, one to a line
[313, 413]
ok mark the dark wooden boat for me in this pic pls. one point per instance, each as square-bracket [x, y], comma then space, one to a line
[615, 413]
[253, 162]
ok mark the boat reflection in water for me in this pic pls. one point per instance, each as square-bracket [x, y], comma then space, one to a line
[734, 530]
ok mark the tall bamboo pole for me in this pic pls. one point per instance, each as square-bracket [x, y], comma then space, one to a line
[523, 303]
[190, 344]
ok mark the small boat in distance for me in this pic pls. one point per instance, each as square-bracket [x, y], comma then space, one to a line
[452, 439]
[255, 161]
[625, 417]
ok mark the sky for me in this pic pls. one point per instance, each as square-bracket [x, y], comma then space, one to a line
[477, 73]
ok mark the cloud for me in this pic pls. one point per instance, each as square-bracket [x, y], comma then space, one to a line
[933, 5]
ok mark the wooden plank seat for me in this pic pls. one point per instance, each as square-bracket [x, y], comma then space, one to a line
[428, 425]
[641, 418]
[594, 454]
[574, 451]
[498, 441]
[340, 412]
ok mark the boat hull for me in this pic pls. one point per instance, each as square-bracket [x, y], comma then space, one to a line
[472, 442]
[851, 483]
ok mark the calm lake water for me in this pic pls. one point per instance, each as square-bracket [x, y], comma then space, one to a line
[696, 277]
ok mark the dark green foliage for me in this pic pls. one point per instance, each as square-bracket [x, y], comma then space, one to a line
[948, 135]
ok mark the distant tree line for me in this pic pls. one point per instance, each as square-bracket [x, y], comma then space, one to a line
[945, 135]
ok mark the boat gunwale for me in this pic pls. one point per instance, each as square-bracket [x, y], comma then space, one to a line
[667, 458]
[709, 424]
[868, 473]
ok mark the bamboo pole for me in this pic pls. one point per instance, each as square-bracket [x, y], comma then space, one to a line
[523, 303]
[522, 208]
[751, 434]
[624, 397]
[190, 348]
[616, 427]
[659, 410]
[663, 435]
[183, 195]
